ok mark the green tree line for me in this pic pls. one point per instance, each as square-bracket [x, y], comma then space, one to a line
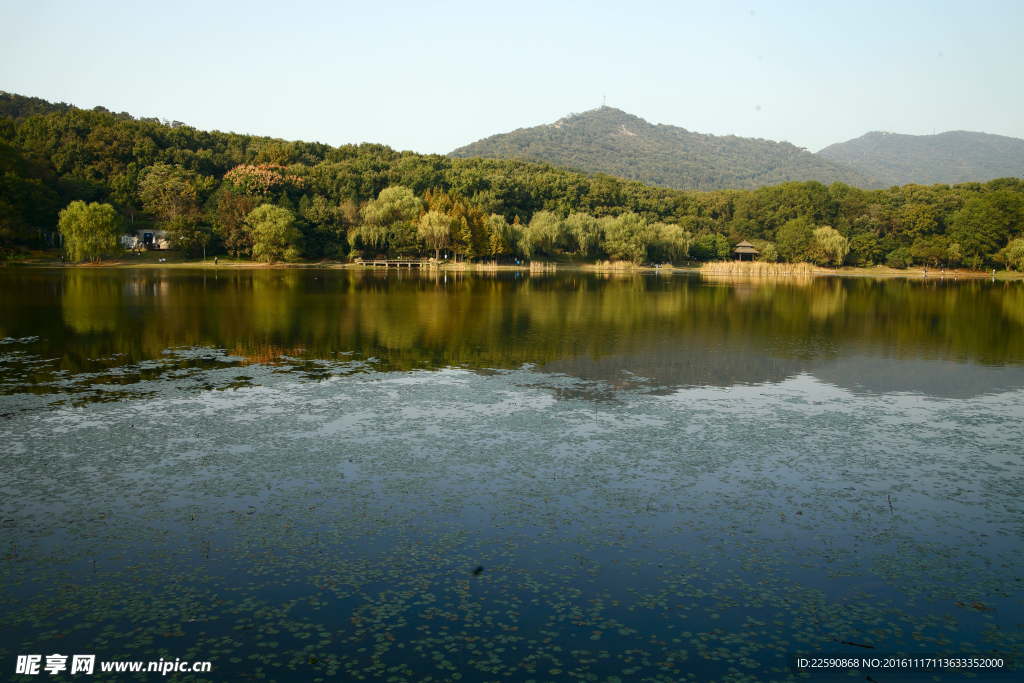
[270, 199]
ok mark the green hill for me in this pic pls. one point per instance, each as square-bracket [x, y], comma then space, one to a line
[19, 107]
[610, 141]
[955, 157]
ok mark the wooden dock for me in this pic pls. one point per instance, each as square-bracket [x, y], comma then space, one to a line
[394, 263]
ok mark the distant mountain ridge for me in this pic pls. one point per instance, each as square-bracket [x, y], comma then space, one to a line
[610, 141]
[955, 157]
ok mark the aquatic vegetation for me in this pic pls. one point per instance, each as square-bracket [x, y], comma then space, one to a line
[758, 268]
[299, 515]
[343, 524]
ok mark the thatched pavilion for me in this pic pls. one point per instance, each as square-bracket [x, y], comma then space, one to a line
[745, 251]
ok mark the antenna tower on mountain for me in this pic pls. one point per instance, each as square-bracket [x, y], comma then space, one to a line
[603, 97]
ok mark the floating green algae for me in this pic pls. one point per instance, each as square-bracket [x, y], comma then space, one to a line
[294, 529]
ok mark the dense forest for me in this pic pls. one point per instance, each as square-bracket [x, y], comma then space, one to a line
[610, 141]
[954, 157]
[270, 199]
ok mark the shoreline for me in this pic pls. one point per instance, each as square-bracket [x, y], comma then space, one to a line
[846, 271]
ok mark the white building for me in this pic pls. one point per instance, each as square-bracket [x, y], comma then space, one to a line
[146, 239]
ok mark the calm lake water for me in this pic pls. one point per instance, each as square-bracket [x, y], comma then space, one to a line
[332, 475]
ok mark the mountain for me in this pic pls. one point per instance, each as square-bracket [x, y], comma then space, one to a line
[610, 141]
[955, 157]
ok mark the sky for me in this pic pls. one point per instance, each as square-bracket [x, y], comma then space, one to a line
[431, 77]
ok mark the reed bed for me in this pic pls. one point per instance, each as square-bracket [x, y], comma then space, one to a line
[614, 265]
[542, 267]
[756, 268]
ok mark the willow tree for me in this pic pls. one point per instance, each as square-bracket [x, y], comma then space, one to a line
[626, 237]
[386, 217]
[671, 240]
[435, 228]
[585, 231]
[545, 232]
[828, 247]
[90, 230]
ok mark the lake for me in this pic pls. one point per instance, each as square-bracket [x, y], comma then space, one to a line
[314, 474]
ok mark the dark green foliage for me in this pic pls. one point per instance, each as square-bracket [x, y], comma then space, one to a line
[608, 140]
[899, 258]
[954, 157]
[930, 251]
[708, 247]
[794, 239]
[864, 250]
[26, 202]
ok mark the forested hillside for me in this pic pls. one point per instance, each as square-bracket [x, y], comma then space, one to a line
[271, 199]
[954, 157]
[610, 141]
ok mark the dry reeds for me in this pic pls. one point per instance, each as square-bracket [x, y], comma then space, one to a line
[755, 268]
[614, 265]
[542, 267]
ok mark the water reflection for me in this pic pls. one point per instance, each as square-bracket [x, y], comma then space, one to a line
[940, 337]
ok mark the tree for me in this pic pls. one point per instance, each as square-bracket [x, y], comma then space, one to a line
[585, 231]
[273, 234]
[794, 239]
[229, 217]
[899, 258]
[954, 254]
[435, 229]
[671, 241]
[323, 228]
[865, 249]
[90, 230]
[25, 201]
[933, 250]
[501, 239]
[545, 233]
[917, 220]
[828, 247]
[189, 235]
[710, 247]
[1013, 255]
[626, 237]
[263, 180]
[383, 218]
[769, 254]
[169, 193]
[976, 228]
[173, 194]
[462, 237]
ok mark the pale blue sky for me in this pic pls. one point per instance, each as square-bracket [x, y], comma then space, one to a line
[434, 76]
